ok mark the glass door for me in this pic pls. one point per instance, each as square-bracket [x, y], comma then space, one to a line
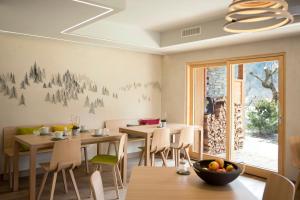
[208, 102]
[255, 112]
[239, 104]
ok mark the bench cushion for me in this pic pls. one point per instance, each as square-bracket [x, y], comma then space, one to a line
[26, 131]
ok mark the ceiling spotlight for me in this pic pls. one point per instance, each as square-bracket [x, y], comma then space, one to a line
[257, 15]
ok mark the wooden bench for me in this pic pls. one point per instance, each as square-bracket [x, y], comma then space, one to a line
[8, 149]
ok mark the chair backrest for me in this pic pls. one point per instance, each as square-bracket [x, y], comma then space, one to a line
[66, 153]
[186, 137]
[295, 150]
[279, 188]
[114, 125]
[97, 186]
[160, 139]
[121, 147]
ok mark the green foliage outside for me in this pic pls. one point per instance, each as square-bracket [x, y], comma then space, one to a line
[263, 119]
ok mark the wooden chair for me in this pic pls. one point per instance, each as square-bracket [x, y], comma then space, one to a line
[279, 188]
[66, 156]
[185, 141]
[295, 152]
[8, 151]
[97, 186]
[114, 125]
[159, 144]
[113, 161]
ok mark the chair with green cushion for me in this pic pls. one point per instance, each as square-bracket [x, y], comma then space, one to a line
[113, 161]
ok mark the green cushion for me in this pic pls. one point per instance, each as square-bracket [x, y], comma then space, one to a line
[26, 131]
[104, 159]
[62, 127]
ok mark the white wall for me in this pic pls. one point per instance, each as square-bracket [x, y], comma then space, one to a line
[174, 80]
[106, 67]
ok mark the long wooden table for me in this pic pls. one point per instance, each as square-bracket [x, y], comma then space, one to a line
[160, 183]
[147, 131]
[39, 142]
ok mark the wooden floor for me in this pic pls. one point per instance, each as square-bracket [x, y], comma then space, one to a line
[255, 185]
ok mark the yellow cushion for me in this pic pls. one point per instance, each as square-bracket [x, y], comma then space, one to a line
[104, 159]
[26, 131]
[62, 127]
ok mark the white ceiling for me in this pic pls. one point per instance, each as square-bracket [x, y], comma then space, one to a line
[161, 15]
[140, 25]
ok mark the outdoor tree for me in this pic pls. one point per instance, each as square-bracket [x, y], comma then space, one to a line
[263, 119]
[268, 81]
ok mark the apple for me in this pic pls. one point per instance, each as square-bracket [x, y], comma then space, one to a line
[213, 165]
[221, 170]
[221, 162]
[229, 168]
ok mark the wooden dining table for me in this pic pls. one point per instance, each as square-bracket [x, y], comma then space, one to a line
[146, 132]
[36, 142]
[161, 183]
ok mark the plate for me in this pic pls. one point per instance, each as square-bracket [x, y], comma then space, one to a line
[43, 134]
[58, 139]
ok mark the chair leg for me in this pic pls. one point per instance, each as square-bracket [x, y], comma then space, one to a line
[63, 171]
[86, 160]
[115, 181]
[116, 149]
[186, 150]
[43, 185]
[297, 182]
[10, 171]
[153, 159]
[4, 167]
[167, 153]
[119, 176]
[53, 185]
[177, 154]
[108, 148]
[164, 159]
[74, 183]
[142, 154]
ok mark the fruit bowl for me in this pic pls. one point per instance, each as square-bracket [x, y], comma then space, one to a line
[213, 177]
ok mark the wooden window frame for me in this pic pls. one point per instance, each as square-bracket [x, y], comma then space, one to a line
[228, 63]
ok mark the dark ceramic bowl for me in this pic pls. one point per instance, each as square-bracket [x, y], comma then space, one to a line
[215, 178]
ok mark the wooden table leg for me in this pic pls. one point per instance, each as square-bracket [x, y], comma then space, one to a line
[124, 162]
[201, 144]
[16, 167]
[147, 150]
[32, 172]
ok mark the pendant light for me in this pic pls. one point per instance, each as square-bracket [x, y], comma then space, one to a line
[256, 15]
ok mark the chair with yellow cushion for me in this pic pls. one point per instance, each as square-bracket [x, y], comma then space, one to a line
[8, 143]
[113, 161]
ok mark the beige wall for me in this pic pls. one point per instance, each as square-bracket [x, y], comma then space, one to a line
[106, 67]
[174, 80]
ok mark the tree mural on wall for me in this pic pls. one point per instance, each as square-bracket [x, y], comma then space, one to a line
[63, 88]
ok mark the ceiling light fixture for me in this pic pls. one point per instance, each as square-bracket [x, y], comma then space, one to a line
[257, 15]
